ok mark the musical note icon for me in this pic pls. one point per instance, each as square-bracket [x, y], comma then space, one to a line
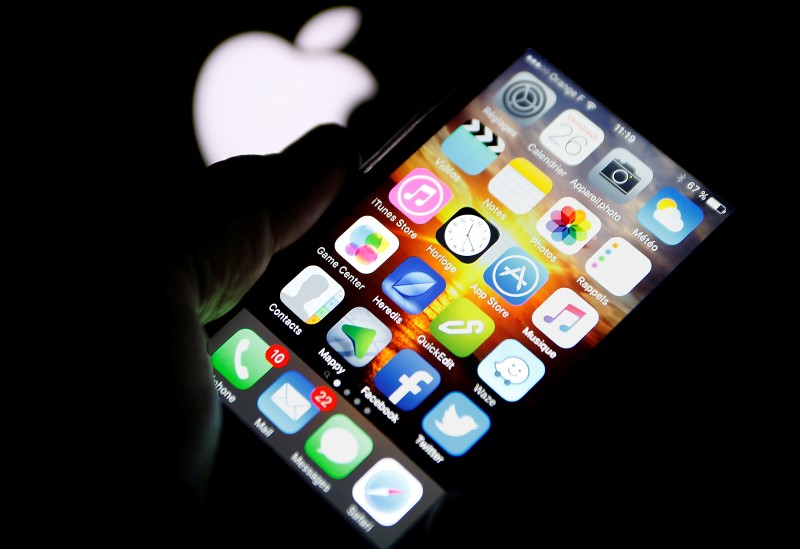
[424, 189]
[572, 313]
[420, 195]
[565, 317]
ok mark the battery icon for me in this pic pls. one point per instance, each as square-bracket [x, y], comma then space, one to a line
[716, 205]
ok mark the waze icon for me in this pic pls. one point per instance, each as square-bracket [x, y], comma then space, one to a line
[511, 370]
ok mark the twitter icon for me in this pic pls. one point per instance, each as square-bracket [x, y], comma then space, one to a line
[456, 423]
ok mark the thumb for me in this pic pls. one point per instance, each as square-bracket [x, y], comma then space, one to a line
[316, 168]
[294, 187]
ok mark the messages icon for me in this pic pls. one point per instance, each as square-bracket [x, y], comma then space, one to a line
[338, 446]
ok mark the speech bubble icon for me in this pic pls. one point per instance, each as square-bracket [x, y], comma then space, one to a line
[513, 370]
[338, 445]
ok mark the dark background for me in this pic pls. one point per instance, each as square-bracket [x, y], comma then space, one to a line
[670, 432]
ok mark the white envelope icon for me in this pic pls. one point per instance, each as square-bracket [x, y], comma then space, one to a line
[290, 401]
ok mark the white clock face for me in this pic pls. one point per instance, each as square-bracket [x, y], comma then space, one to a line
[467, 235]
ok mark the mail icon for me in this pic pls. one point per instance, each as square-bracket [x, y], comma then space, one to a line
[288, 399]
[286, 403]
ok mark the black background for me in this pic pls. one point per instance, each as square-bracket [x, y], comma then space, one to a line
[663, 435]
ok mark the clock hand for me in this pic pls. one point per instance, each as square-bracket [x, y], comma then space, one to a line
[466, 239]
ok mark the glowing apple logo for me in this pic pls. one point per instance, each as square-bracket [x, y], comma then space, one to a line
[256, 92]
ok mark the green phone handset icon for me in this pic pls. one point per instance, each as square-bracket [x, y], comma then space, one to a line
[240, 369]
[242, 359]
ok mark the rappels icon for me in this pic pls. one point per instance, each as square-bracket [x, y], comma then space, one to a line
[473, 146]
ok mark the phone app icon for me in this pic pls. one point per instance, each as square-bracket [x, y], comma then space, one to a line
[413, 285]
[456, 423]
[338, 446]
[462, 327]
[312, 294]
[387, 491]
[670, 216]
[516, 276]
[420, 195]
[407, 379]
[526, 98]
[569, 225]
[511, 370]
[287, 402]
[565, 317]
[621, 175]
[520, 185]
[366, 244]
[467, 235]
[242, 359]
[618, 266]
[359, 336]
[572, 137]
[473, 146]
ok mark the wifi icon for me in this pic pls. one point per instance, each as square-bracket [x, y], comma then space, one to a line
[590, 105]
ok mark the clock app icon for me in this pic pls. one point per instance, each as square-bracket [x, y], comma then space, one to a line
[467, 235]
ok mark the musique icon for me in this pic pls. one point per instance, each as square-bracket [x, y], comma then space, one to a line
[565, 317]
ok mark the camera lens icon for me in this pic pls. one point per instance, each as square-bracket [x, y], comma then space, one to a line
[621, 175]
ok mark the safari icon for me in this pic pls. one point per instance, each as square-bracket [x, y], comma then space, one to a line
[511, 370]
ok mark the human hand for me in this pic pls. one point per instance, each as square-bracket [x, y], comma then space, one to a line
[219, 243]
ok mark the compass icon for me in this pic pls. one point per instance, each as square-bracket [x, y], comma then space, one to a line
[387, 491]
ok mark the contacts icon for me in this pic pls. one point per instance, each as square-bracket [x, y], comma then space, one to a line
[312, 294]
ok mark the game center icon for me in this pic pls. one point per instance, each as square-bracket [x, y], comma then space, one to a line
[366, 244]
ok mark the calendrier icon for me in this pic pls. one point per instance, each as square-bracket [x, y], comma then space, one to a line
[572, 137]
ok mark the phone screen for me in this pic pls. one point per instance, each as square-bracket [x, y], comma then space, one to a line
[500, 240]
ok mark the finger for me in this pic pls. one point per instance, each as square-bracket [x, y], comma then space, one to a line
[315, 167]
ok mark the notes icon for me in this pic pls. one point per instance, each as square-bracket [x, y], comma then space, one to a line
[520, 185]
[565, 317]
[420, 195]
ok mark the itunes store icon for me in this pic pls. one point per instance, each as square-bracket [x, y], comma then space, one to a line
[420, 195]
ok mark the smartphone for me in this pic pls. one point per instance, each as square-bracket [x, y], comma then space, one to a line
[401, 346]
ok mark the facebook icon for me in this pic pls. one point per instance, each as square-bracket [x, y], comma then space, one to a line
[407, 380]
